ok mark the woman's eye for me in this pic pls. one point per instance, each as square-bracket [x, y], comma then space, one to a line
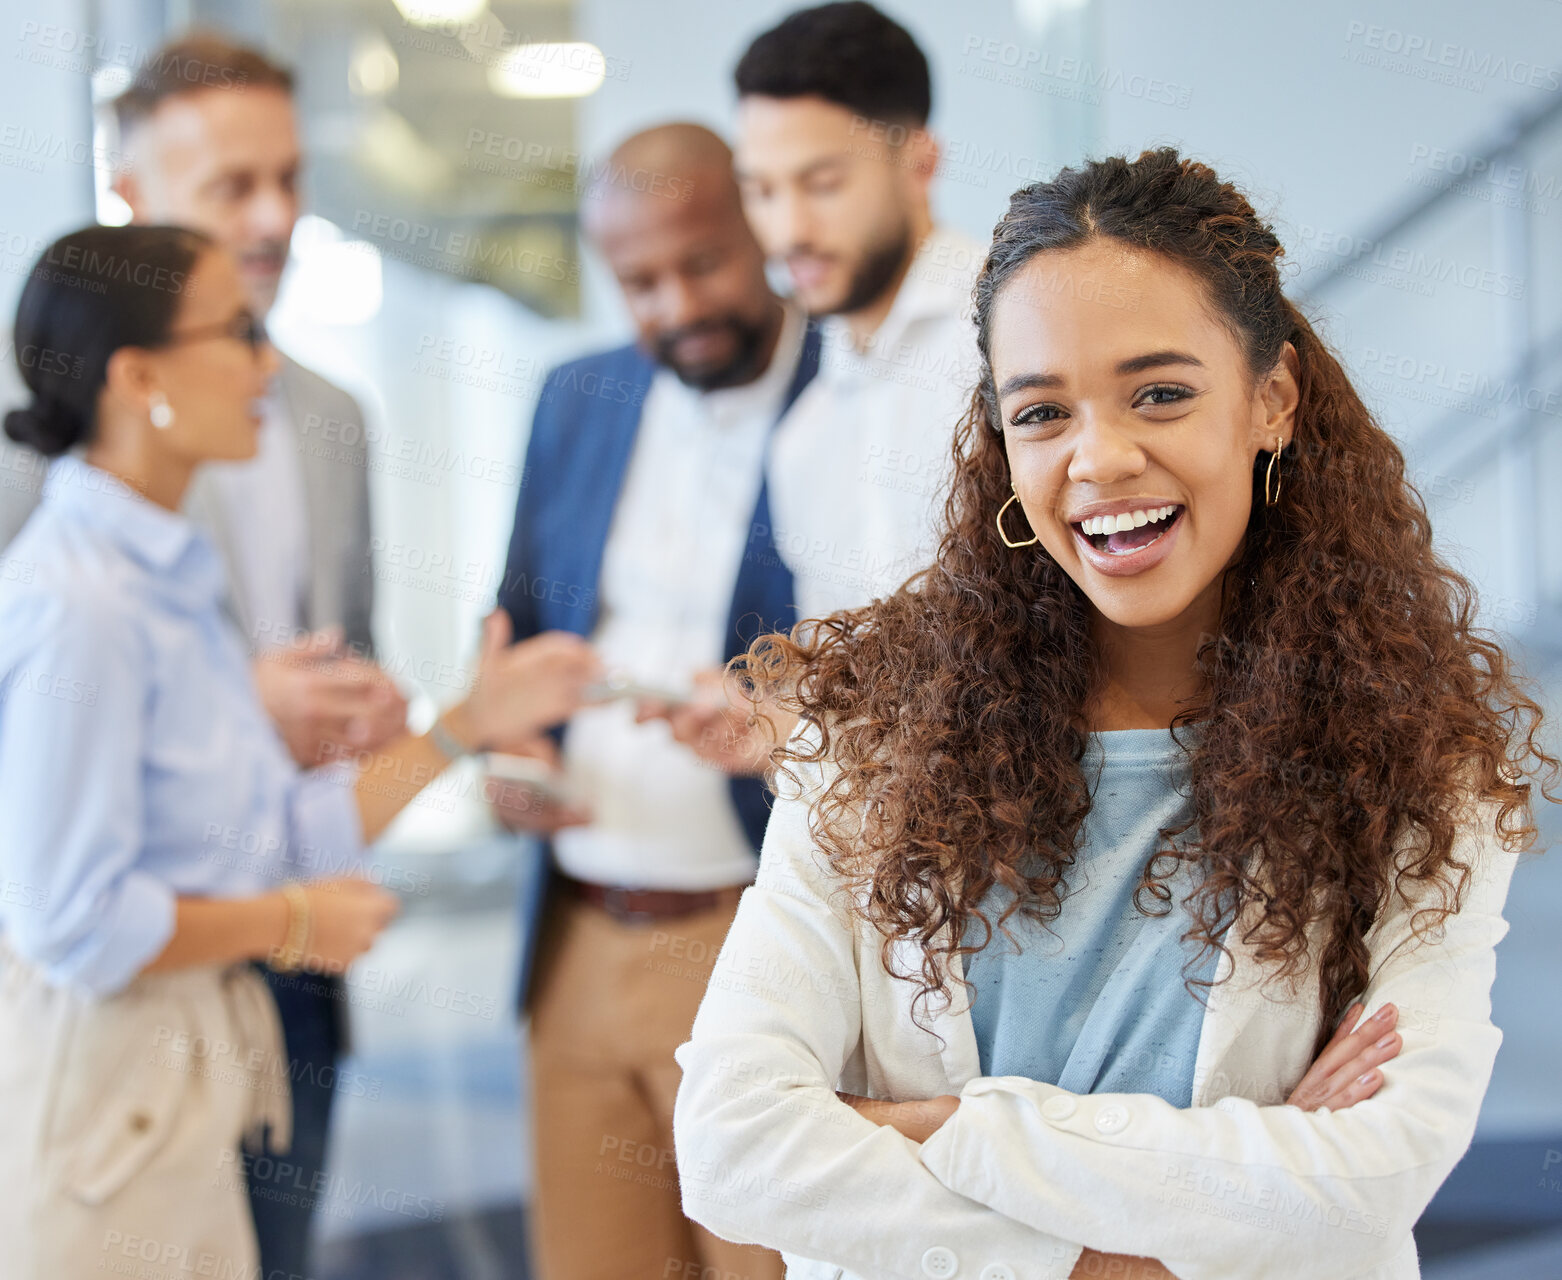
[1163, 393]
[1036, 415]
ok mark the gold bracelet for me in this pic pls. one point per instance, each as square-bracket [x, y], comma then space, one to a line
[289, 958]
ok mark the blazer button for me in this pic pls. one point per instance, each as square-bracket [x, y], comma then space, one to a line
[940, 1262]
[140, 1122]
[1112, 1118]
[997, 1271]
[1060, 1106]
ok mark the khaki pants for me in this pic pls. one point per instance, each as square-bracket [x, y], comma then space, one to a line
[120, 1121]
[612, 1003]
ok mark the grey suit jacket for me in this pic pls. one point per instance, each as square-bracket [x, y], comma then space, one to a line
[333, 457]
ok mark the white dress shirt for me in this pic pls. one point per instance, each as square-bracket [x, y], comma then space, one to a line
[861, 465]
[267, 522]
[661, 818]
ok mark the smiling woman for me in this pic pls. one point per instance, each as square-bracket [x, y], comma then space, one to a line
[1170, 742]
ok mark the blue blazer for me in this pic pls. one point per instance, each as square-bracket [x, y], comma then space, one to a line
[582, 437]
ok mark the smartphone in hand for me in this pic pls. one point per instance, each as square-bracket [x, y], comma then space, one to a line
[534, 775]
[618, 685]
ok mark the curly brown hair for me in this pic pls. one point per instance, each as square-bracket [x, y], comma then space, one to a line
[1348, 698]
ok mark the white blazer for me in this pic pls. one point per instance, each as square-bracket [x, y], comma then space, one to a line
[1024, 1175]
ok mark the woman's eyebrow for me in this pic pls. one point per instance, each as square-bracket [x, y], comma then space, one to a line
[1028, 382]
[1155, 360]
[1134, 364]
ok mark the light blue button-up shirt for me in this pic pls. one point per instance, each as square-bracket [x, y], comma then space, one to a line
[136, 762]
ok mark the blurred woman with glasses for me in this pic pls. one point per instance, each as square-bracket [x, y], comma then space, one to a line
[154, 831]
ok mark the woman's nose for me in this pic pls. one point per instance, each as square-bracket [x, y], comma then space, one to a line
[1103, 453]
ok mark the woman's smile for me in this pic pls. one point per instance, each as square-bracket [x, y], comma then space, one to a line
[1130, 542]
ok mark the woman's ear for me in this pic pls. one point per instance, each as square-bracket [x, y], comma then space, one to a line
[130, 378]
[1278, 395]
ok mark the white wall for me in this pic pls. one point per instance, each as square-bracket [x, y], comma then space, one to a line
[45, 185]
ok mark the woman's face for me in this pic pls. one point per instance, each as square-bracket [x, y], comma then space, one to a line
[1121, 393]
[213, 380]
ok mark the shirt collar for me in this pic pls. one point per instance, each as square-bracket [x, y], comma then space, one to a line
[937, 286]
[152, 535]
[728, 405]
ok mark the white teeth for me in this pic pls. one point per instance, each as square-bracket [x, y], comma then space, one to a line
[1125, 520]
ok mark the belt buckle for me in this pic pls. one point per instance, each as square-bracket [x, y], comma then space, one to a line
[614, 900]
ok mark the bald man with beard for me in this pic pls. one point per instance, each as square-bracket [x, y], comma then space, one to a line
[643, 523]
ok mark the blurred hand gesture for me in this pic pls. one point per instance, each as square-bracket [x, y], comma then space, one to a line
[524, 688]
[520, 806]
[326, 703]
[720, 725]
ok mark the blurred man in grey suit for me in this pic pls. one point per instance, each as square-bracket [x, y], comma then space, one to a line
[211, 141]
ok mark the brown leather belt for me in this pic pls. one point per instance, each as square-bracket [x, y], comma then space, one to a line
[639, 906]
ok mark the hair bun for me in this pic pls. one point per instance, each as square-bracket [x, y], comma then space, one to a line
[49, 428]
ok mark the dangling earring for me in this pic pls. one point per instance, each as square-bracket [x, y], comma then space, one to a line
[1272, 470]
[999, 519]
[162, 413]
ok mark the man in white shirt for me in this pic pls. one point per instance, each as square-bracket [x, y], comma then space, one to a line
[835, 163]
[642, 522]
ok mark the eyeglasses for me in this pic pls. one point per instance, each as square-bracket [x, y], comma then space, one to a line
[245, 327]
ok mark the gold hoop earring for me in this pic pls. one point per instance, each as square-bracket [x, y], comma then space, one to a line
[1269, 471]
[1035, 538]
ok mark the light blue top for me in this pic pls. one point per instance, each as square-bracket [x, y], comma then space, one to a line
[1098, 1004]
[136, 761]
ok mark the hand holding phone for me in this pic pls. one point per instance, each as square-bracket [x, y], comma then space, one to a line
[617, 685]
[530, 792]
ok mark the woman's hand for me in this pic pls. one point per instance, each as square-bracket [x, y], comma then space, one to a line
[917, 1120]
[523, 688]
[1093, 1265]
[346, 914]
[325, 702]
[1346, 1071]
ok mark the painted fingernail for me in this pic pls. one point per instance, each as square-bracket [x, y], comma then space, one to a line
[1385, 1041]
[1365, 1077]
[1382, 1014]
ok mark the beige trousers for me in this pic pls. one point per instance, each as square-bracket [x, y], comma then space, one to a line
[120, 1121]
[611, 1004]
